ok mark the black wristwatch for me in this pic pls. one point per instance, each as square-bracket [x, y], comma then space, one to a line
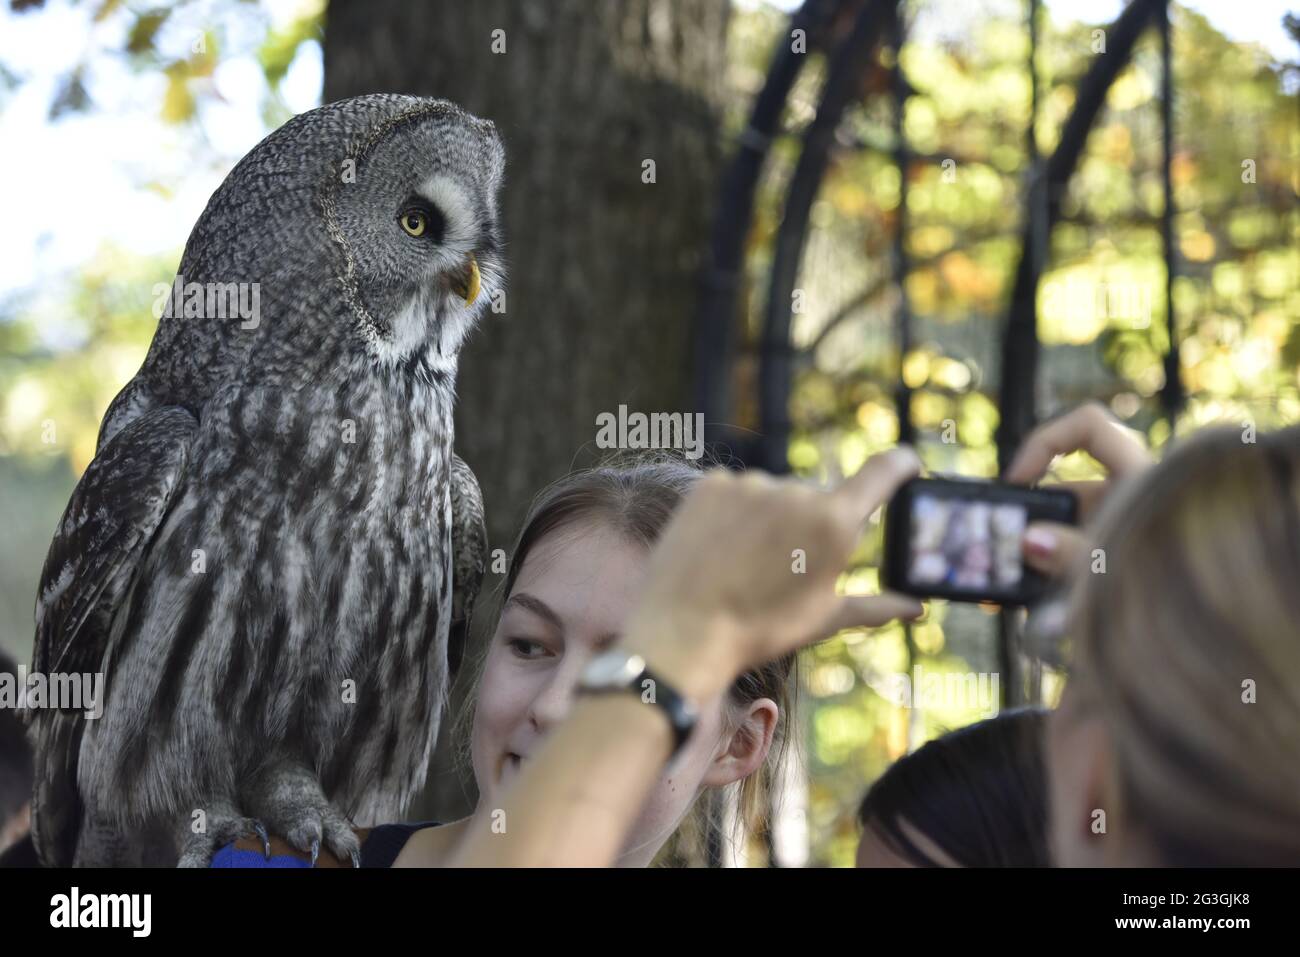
[617, 670]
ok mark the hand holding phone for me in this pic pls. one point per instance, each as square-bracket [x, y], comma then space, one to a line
[961, 539]
[1090, 428]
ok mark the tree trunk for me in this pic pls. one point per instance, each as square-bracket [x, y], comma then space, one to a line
[602, 265]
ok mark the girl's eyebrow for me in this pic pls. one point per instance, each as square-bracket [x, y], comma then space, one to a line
[537, 607]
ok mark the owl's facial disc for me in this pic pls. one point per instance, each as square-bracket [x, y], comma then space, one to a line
[442, 215]
[422, 220]
[419, 230]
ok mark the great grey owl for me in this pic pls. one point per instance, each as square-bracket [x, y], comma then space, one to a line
[260, 557]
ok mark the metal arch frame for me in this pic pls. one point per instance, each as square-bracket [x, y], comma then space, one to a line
[1047, 182]
[1019, 367]
[776, 362]
[1017, 394]
[715, 318]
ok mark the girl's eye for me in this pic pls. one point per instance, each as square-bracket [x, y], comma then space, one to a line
[414, 222]
[526, 648]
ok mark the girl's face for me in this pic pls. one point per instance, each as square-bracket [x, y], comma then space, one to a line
[572, 595]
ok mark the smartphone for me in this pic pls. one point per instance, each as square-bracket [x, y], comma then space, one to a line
[960, 539]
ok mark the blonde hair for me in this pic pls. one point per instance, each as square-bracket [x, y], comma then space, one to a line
[636, 496]
[1189, 645]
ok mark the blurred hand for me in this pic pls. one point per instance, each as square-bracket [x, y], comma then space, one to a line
[746, 570]
[1049, 547]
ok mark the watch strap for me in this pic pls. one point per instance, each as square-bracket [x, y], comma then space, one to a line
[681, 713]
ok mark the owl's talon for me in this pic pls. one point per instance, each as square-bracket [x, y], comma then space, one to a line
[288, 799]
[225, 827]
[260, 830]
[356, 858]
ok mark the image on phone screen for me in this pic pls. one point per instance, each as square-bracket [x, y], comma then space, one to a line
[967, 544]
[961, 538]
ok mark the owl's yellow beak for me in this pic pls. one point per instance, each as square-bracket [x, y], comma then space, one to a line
[466, 282]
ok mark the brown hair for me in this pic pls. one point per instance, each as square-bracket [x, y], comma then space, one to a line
[1188, 647]
[637, 496]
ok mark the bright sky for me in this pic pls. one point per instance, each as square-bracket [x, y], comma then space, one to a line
[1246, 21]
[69, 186]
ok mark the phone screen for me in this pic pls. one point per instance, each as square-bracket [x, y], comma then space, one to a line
[961, 539]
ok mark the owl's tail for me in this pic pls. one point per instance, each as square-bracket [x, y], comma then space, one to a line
[56, 802]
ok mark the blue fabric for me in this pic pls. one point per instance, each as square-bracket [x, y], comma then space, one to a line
[231, 856]
[381, 848]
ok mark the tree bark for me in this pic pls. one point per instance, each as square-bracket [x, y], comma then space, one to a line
[602, 266]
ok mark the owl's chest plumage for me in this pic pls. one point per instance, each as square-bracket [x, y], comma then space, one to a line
[306, 484]
[299, 595]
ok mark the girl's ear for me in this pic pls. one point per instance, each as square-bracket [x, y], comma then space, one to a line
[743, 750]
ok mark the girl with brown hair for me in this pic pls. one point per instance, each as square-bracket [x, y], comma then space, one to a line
[576, 571]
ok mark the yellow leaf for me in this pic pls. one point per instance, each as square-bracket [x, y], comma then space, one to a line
[178, 103]
[1197, 246]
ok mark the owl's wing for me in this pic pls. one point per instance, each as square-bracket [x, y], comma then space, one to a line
[469, 549]
[113, 514]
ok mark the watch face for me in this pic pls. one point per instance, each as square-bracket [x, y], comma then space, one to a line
[612, 669]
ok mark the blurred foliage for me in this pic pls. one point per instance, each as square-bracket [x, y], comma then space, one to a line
[62, 360]
[1102, 316]
[184, 40]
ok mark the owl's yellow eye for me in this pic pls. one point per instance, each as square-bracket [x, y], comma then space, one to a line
[414, 223]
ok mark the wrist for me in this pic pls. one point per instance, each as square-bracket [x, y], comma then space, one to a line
[696, 655]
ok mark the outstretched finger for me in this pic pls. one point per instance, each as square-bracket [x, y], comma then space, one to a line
[872, 611]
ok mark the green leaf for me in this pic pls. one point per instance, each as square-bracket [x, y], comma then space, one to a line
[281, 46]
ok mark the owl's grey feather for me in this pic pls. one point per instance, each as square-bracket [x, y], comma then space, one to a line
[90, 567]
[469, 548]
[269, 519]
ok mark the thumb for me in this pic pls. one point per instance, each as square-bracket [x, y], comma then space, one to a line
[1052, 548]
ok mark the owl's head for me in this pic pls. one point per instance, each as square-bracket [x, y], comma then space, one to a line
[366, 227]
[413, 214]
